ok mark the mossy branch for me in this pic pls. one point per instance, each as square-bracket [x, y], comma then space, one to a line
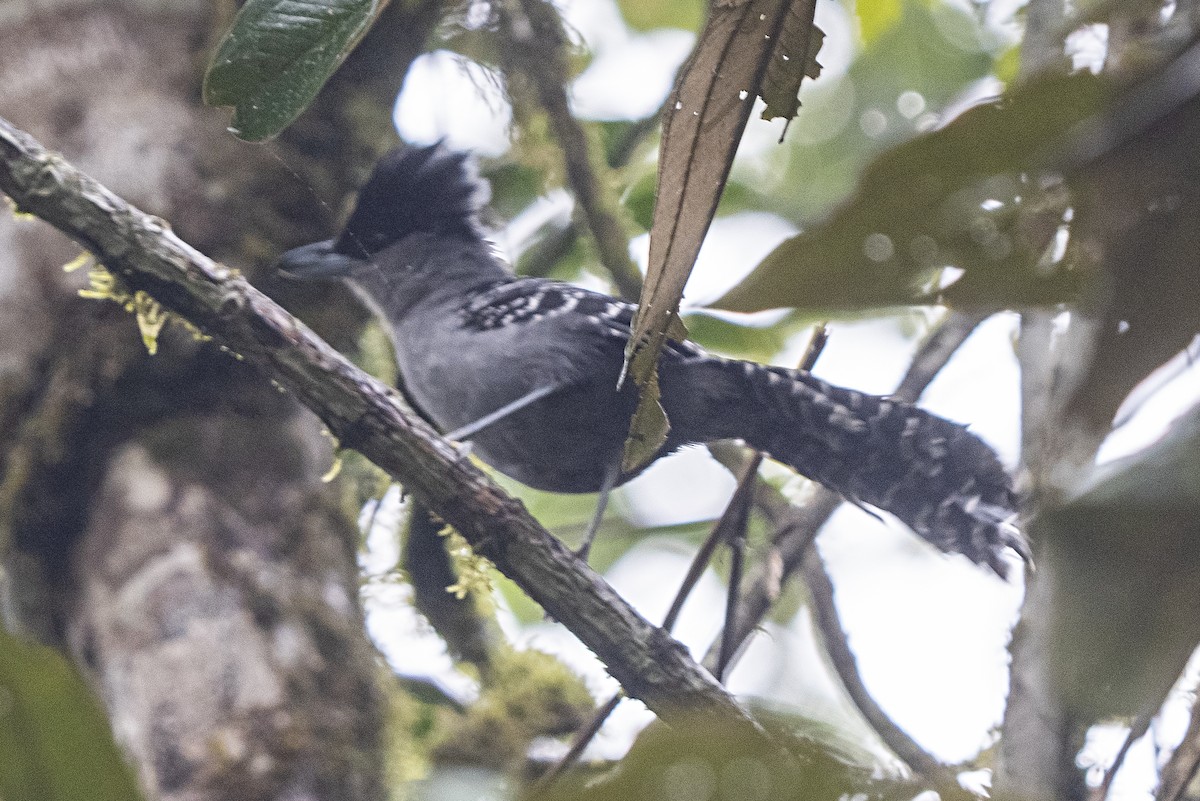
[369, 417]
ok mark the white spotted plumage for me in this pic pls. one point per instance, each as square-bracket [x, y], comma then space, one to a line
[529, 300]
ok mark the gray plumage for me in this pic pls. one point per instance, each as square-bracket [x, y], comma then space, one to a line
[471, 337]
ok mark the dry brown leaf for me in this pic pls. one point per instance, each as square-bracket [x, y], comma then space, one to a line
[706, 115]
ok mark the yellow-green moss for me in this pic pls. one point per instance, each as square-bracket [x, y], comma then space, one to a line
[528, 694]
[150, 315]
[474, 571]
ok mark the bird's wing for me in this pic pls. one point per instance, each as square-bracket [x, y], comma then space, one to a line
[529, 300]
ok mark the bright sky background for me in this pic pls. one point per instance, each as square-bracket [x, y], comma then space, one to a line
[930, 631]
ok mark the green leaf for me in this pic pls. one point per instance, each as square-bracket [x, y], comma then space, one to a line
[877, 17]
[911, 71]
[953, 197]
[757, 343]
[639, 200]
[515, 187]
[709, 759]
[643, 16]
[278, 55]
[55, 742]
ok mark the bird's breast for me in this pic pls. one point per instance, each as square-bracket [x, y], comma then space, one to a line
[563, 442]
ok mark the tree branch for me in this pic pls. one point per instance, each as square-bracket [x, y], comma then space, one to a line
[1182, 765]
[368, 416]
[837, 645]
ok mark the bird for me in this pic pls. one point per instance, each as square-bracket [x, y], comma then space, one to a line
[527, 369]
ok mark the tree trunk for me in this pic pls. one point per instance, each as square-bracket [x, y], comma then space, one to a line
[161, 517]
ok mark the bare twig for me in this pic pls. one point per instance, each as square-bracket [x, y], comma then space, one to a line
[935, 351]
[533, 30]
[364, 414]
[1137, 729]
[733, 515]
[557, 239]
[795, 529]
[739, 509]
[820, 589]
[1181, 768]
[580, 742]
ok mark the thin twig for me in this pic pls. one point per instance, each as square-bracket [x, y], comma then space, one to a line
[731, 523]
[815, 347]
[536, 49]
[797, 526]
[720, 532]
[734, 522]
[1182, 766]
[1137, 729]
[582, 739]
[556, 238]
[732, 637]
[837, 645]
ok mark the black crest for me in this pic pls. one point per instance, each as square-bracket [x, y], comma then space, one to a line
[413, 190]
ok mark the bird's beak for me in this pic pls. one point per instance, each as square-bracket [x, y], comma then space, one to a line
[315, 261]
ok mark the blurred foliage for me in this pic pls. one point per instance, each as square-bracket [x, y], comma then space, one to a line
[1125, 556]
[567, 516]
[737, 340]
[479, 38]
[954, 197]
[55, 741]
[934, 51]
[638, 199]
[919, 57]
[878, 17]
[413, 725]
[515, 186]
[707, 761]
[643, 16]
[1137, 202]
[526, 695]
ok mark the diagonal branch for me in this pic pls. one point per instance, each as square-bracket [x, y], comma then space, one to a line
[1182, 766]
[837, 645]
[370, 417]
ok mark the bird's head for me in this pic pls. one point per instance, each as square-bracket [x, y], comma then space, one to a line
[429, 193]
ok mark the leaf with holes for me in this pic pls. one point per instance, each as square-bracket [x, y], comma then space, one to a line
[793, 60]
[706, 115]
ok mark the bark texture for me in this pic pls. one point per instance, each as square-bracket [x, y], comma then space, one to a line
[161, 516]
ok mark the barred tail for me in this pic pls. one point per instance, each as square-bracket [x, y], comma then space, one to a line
[934, 475]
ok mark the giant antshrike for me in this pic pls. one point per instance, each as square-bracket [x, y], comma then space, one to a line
[527, 368]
